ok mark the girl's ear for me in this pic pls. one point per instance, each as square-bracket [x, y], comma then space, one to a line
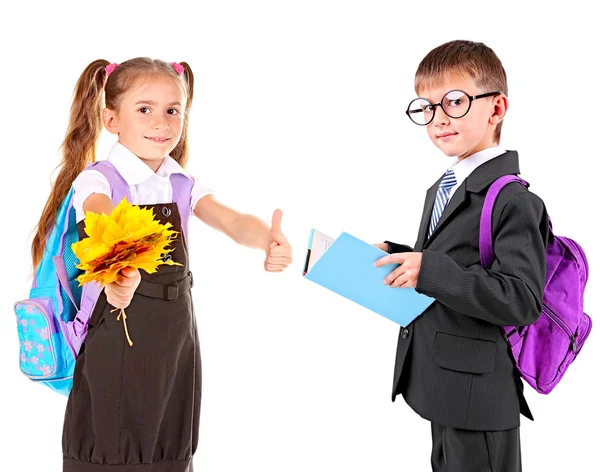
[110, 120]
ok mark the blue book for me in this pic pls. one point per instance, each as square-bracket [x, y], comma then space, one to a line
[345, 266]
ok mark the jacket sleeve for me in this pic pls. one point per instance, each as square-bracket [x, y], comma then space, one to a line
[394, 247]
[510, 293]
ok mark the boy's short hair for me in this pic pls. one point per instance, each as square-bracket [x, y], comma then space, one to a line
[463, 57]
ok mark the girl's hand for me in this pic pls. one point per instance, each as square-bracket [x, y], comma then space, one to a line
[120, 292]
[407, 273]
[278, 250]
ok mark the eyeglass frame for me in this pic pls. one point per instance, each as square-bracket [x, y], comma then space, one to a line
[435, 105]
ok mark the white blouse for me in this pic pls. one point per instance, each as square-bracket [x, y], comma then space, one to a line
[146, 187]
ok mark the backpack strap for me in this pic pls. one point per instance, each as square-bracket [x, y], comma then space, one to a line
[182, 195]
[59, 262]
[63, 279]
[118, 187]
[486, 250]
[91, 291]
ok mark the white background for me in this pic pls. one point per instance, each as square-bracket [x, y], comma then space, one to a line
[300, 105]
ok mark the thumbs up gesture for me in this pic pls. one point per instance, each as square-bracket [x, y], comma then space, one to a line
[278, 250]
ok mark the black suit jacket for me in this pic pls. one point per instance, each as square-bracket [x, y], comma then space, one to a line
[453, 366]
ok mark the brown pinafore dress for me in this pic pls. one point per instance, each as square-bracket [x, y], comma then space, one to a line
[137, 409]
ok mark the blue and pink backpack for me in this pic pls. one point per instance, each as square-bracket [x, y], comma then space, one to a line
[544, 350]
[52, 322]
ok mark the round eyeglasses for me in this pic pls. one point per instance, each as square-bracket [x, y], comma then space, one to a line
[455, 104]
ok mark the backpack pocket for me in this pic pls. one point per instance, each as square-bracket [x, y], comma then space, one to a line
[548, 347]
[40, 357]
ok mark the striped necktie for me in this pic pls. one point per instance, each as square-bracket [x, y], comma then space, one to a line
[441, 198]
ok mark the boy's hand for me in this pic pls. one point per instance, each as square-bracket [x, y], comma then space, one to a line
[407, 274]
[278, 250]
[383, 246]
[120, 292]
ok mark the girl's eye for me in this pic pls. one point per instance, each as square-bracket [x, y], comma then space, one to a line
[144, 108]
[173, 111]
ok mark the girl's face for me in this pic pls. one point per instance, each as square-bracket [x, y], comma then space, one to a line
[150, 119]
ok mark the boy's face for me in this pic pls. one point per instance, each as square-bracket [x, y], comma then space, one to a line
[473, 132]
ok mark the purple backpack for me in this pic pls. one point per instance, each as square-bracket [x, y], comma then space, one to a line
[543, 351]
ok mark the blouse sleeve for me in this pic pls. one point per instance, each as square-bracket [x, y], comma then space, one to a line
[199, 191]
[86, 183]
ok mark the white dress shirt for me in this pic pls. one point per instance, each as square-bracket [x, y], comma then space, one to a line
[462, 169]
[146, 186]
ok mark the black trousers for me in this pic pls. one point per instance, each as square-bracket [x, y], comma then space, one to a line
[461, 450]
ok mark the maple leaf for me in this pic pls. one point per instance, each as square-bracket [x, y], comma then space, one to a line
[129, 237]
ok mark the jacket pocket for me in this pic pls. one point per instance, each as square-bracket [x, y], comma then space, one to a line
[475, 356]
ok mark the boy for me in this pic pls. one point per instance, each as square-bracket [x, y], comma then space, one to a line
[453, 366]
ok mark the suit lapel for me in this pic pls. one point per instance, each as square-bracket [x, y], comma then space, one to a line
[478, 181]
[427, 209]
[454, 205]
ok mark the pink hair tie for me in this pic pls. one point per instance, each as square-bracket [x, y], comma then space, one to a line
[178, 68]
[110, 68]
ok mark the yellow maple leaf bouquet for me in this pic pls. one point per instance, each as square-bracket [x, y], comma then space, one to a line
[129, 237]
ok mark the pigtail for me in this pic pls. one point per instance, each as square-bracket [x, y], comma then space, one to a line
[181, 151]
[78, 147]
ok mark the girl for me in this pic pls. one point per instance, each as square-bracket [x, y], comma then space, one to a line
[138, 407]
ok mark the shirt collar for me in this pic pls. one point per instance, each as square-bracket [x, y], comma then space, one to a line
[170, 166]
[133, 169]
[462, 169]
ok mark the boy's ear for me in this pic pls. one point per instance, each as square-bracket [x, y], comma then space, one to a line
[110, 120]
[499, 110]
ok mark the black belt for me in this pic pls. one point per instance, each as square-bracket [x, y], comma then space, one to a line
[168, 292]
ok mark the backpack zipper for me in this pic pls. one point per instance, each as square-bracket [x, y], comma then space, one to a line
[577, 249]
[583, 335]
[561, 324]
